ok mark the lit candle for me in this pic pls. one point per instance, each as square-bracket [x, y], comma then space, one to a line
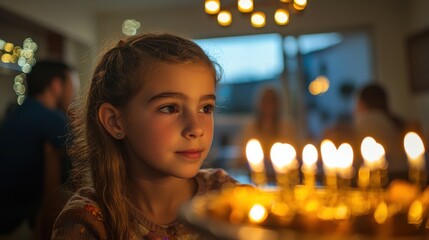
[309, 157]
[372, 153]
[329, 156]
[255, 157]
[309, 160]
[283, 157]
[415, 150]
[374, 160]
[328, 151]
[345, 161]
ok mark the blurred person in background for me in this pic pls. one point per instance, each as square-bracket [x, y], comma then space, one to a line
[32, 153]
[375, 119]
[268, 126]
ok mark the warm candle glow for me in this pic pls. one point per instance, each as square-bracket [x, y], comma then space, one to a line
[309, 156]
[381, 213]
[372, 153]
[212, 6]
[329, 152]
[415, 150]
[345, 156]
[255, 155]
[345, 160]
[257, 213]
[245, 6]
[382, 160]
[282, 156]
[415, 213]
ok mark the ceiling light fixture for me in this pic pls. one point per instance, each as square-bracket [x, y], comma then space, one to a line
[257, 18]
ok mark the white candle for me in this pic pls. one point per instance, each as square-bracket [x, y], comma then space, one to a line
[415, 150]
[283, 157]
[255, 155]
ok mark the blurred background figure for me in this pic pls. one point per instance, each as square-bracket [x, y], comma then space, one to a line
[268, 126]
[375, 119]
[33, 163]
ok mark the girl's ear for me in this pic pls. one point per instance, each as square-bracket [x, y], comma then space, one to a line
[111, 119]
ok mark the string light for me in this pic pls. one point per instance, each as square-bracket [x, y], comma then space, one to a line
[24, 58]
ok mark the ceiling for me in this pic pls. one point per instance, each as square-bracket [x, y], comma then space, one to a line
[110, 5]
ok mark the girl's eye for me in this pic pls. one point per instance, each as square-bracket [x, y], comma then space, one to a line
[169, 109]
[207, 108]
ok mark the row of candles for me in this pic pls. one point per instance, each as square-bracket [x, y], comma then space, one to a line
[337, 162]
[338, 171]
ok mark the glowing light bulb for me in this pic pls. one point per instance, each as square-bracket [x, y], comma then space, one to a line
[281, 16]
[258, 19]
[245, 6]
[224, 18]
[299, 4]
[212, 6]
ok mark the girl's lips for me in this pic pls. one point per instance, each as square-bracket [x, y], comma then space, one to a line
[191, 153]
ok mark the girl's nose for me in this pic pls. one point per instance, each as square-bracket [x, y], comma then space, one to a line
[193, 128]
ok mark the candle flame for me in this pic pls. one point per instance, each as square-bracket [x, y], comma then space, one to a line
[371, 151]
[345, 156]
[309, 155]
[413, 145]
[282, 156]
[257, 213]
[255, 155]
[329, 152]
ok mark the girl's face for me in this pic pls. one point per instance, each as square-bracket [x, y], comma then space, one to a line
[169, 126]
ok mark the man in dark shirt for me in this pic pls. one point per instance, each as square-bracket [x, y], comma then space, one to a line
[32, 141]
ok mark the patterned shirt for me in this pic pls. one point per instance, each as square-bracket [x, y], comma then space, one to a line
[82, 218]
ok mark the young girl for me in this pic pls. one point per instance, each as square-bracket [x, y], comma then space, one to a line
[145, 129]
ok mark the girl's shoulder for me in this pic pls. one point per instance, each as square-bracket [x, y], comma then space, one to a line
[85, 199]
[81, 217]
[213, 179]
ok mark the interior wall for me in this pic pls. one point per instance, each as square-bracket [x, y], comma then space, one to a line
[385, 17]
[68, 18]
[418, 21]
[391, 20]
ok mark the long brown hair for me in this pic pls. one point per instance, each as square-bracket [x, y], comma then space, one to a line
[99, 160]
